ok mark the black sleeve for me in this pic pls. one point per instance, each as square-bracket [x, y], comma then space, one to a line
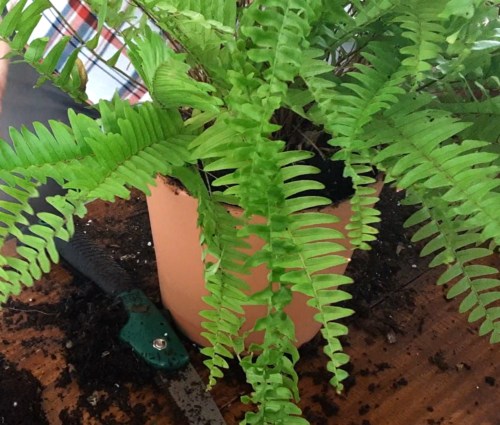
[22, 105]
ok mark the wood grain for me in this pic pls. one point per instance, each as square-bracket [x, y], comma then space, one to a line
[394, 384]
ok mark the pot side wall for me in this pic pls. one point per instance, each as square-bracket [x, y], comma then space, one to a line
[173, 215]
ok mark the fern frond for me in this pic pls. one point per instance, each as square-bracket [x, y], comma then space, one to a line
[94, 161]
[202, 28]
[278, 30]
[424, 29]
[166, 75]
[219, 236]
[258, 171]
[456, 181]
[371, 11]
[13, 213]
[124, 152]
[456, 246]
[418, 156]
[38, 247]
[345, 110]
[128, 153]
[291, 245]
[373, 89]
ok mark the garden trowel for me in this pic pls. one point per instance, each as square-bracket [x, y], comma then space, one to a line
[147, 330]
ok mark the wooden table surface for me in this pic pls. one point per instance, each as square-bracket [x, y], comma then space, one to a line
[432, 372]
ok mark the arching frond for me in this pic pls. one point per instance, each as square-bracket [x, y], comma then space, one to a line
[166, 73]
[421, 20]
[123, 152]
[456, 246]
[219, 236]
[456, 181]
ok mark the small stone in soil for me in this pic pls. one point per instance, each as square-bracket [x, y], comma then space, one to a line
[366, 422]
[489, 380]
[430, 409]
[461, 366]
[371, 388]
[93, 398]
[391, 337]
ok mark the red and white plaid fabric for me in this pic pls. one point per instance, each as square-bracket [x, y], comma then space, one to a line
[103, 81]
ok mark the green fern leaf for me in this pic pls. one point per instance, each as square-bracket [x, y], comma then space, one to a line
[426, 32]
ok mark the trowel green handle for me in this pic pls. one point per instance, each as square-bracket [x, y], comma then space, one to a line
[147, 330]
[149, 334]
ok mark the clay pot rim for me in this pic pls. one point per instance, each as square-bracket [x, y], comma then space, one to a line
[168, 181]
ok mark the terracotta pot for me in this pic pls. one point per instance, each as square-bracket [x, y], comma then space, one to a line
[173, 215]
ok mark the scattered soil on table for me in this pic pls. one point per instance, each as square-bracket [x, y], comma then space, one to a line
[20, 396]
[107, 370]
[376, 294]
[490, 380]
[373, 272]
[439, 360]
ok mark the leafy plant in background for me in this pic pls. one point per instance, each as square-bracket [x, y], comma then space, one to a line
[406, 86]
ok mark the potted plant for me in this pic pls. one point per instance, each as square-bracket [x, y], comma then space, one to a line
[400, 86]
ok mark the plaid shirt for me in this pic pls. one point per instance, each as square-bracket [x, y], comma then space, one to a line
[103, 81]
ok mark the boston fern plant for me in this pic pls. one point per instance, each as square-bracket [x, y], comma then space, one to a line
[405, 87]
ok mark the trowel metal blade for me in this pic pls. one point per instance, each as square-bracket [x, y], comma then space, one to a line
[190, 395]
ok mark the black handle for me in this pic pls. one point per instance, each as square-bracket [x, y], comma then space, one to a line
[94, 262]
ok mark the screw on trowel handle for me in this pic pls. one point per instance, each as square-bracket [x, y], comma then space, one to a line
[149, 333]
[147, 329]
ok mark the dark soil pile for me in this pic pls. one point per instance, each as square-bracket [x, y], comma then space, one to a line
[20, 396]
[96, 358]
[91, 321]
[374, 271]
[337, 187]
